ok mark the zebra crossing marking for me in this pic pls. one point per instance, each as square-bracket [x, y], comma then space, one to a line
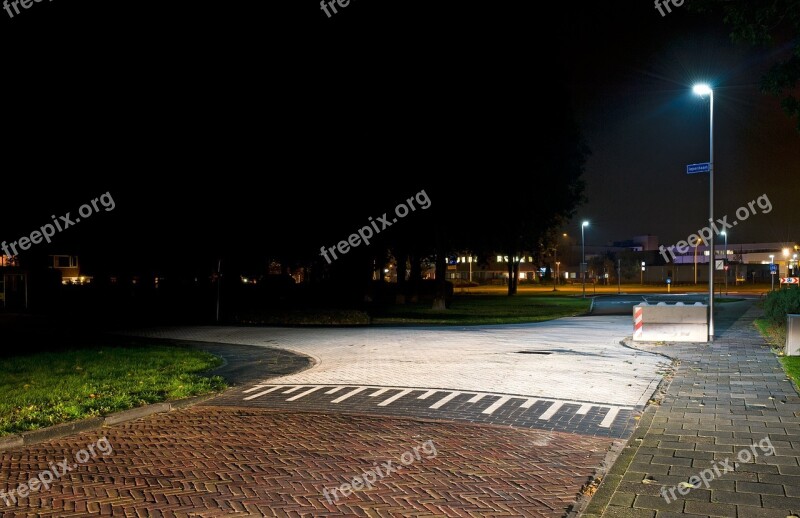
[612, 411]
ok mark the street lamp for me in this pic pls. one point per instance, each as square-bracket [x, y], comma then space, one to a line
[772, 275]
[703, 90]
[725, 261]
[786, 258]
[583, 255]
[555, 259]
[558, 272]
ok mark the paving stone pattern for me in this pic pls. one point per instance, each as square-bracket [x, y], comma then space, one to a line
[724, 397]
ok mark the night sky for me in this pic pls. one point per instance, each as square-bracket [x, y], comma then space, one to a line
[235, 127]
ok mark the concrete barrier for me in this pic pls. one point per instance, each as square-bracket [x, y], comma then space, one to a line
[664, 322]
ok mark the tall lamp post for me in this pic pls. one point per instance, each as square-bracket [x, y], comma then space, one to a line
[583, 256]
[703, 90]
[555, 260]
[558, 272]
[786, 258]
[772, 275]
[725, 261]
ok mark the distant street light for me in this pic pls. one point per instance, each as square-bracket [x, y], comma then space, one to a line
[583, 255]
[703, 90]
[555, 260]
[558, 272]
[725, 261]
[786, 258]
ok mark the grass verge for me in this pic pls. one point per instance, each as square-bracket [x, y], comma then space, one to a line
[485, 309]
[48, 388]
[774, 333]
[791, 364]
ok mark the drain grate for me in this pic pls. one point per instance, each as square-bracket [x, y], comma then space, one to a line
[534, 352]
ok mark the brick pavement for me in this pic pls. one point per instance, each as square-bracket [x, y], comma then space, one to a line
[223, 461]
[723, 398]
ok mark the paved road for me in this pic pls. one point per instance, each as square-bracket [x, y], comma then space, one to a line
[570, 374]
[564, 391]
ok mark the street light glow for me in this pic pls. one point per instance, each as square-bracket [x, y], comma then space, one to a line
[585, 224]
[702, 89]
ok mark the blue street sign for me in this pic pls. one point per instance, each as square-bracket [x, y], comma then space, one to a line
[773, 268]
[698, 168]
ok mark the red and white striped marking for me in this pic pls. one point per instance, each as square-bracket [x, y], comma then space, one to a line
[637, 322]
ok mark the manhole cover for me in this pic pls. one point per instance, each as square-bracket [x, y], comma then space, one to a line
[534, 352]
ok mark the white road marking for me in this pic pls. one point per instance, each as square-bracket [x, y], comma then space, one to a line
[253, 388]
[610, 416]
[497, 404]
[555, 406]
[248, 398]
[394, 398]
[550, 412]
[351, 393]
[444, 400]
[307, 392]
[476, 398]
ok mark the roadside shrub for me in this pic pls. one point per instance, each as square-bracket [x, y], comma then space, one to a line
[779, 303]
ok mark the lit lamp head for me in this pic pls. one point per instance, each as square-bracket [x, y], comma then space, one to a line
[702, 89]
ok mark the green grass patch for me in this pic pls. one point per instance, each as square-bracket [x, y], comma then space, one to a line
[791, 364]
[48, 388]
[773, 332]
[485, 309]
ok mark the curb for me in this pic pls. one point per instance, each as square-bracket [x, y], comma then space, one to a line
[14, 441]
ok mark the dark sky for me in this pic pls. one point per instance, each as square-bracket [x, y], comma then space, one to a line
[225, 125]
[644, 125]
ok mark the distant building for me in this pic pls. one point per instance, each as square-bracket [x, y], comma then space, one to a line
[466, 268]
[13, 284]
[69, 269]
[644, 243]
